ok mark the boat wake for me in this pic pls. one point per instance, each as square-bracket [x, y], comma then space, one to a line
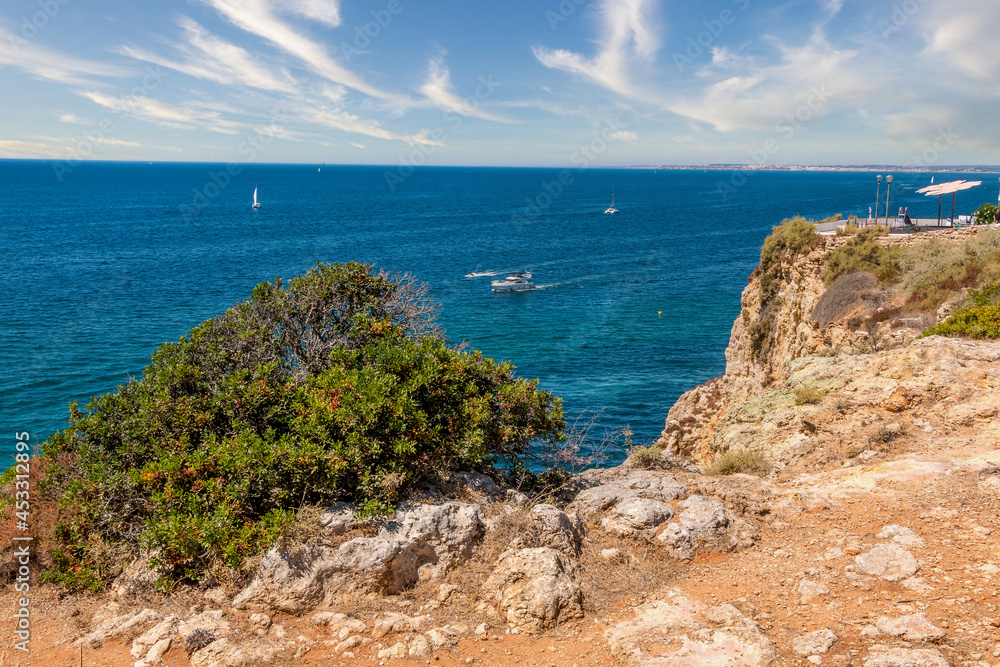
[482, 274]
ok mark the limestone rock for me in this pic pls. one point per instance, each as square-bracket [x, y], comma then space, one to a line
[339, 518]
[650, 638]
[810, 590]
[632, 517]
[900, 535]
[421, 542]
[888, 656]
[622, 484]
[704, 522]
[533, 589]
[556, 529]
[162, 630]
[210, 621]
[887, 561]
[135, 580]
[158, 650]
[814, 643]
[219, 653]
[914, 627]
[476, 482]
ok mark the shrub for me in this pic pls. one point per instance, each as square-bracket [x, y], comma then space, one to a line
[862, 253]
[843, 296]
[740, 460]
[936, 271]
[645, 457]
[848, 230]
[975, 322]
[789, 239]
[808, 395]
[332, 389]
[833, 218]
[985, 214]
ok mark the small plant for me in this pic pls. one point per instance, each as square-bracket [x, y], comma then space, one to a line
[852, 452]
[886, 434]
[733, 461]
[198, 639]
[841, 403]
[646, 458]
[985, 215]
[862, 253]
[848, 230]
[808, 395]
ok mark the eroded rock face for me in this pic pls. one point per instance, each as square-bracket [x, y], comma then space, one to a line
[533, 589]
[704, 523]
[422, 541]
[557, 530]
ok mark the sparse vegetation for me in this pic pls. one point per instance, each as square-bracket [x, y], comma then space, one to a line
[848, 230]
[978, 318]
[806, 395]
[740, 460]
[886, 434]
[863, 253]
[937, 271]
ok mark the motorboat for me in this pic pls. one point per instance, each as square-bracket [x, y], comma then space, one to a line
[515, 282]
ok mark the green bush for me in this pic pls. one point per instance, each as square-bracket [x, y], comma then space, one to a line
[862, 253]
[985, 214]
[332, 389]
[975, 322]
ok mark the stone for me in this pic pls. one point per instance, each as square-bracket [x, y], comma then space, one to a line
[339, 518]
[533, 589]
[421, 542]
[810, 590]
[917, 585]
[991, 485]
[556, 529]
[135, 580]
[630, 483]
[476, 482]
[814, 643]
[633, 517]
[889, 656]
[901, 535]
[887, 561]
[420, 647]
[158, 650]
[262, 621]
[210, 621]
[219, 654]
[512, 497]
[914, 627]
[145, 641]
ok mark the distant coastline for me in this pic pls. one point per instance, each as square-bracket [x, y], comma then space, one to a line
[988, 169]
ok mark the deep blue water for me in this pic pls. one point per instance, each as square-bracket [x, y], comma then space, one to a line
[103, 267]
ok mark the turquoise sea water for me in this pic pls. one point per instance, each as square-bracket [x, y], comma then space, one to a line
[104, 266]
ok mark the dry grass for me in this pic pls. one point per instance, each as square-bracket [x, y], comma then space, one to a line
[843, 296]
[740, 460]
[808, 395]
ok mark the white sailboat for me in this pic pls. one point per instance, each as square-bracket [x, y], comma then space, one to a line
[256, 204]
[612, 209]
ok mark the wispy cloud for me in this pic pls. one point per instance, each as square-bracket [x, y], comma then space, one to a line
[438, 89]
[213, 59]
[49, 65]
[964, 35]
[259, 18]
[629, 37]
[168, 115]
[338, 119]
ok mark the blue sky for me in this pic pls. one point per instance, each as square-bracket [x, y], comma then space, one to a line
[534, 83]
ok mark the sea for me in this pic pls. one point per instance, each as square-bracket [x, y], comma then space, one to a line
[105, 261]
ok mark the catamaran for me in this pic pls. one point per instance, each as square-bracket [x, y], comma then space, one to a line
[256, 204]
[612, 209]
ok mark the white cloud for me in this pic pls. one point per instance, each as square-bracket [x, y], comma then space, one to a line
[212, 59]
[963, 35]
[326, 12]
[48, 65]
[629, 37]
[257, 17]
[338, 119]
[73, 119]
[168, 115]
[438, 90]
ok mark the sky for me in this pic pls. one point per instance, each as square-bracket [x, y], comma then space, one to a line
[514, 83]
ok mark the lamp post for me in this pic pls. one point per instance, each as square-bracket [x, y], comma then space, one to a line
[888, 188]
[878, 186]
